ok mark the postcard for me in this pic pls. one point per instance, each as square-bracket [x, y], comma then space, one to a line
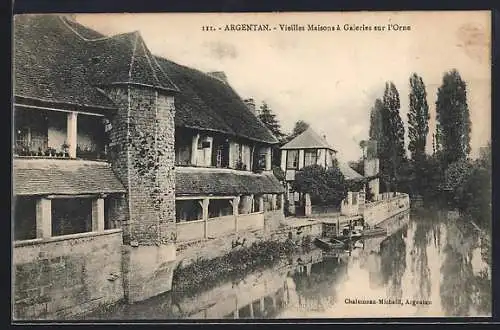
[234, 166]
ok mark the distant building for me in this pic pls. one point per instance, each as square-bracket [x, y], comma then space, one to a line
[309, 148]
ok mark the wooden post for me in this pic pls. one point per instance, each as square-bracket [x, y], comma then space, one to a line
[98, 214]
[283, 160]
[236, 310]
[251, 310]
[301, 159]
[71, 138]
[43, 218]
[194, 149]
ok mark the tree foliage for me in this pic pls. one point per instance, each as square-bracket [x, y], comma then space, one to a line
[326, 186]
[418, 118]
[473, 194]
[376, 121]
[268, 117]
[453, 118]
[299, 128]
[391, 143]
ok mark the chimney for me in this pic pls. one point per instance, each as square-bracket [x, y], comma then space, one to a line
[218, 75]
[250, 102]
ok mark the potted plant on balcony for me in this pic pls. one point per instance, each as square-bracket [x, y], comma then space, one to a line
[65, 147]
[51, 152]
[241, 166]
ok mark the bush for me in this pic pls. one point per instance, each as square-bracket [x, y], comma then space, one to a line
[326, 186]
[204, 274]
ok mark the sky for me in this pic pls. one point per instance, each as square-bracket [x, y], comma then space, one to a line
[330, 79]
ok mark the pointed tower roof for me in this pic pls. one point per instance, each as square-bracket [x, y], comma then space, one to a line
[308, 139]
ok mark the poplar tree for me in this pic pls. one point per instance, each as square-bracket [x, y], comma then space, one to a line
[453, 118]
[392, 150]
[376, 121]
[418, 118]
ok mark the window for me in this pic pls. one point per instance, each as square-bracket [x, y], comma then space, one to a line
[310, 157]
[220, 152]
[24, 218]
[183, 145]
[292, 159]
[71, 216]
[188, 210]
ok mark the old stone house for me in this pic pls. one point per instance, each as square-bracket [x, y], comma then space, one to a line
[119, 155]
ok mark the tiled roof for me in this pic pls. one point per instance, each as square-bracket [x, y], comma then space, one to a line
[308, 139]
[46, 176]
[53, 61]
[194, 181]
[205, 102]
[348, 172]
[59, 60]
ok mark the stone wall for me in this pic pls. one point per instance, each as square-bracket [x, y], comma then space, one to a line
[381, 210]
[65, 276]
[212, 248]
[273, 219]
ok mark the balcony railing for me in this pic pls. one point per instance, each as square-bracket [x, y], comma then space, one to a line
[39, 148]
[218, 227]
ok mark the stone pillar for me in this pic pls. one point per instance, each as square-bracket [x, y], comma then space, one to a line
[98, 214]
[274, 198]
[282, 196]
[308, 206]
[251, 310]
[194, 149]
[262, 307]
[268, 158]
[250, 203]
[260, 200]
[204, 207]
[236, 203]
[72, 134]
[43, 218]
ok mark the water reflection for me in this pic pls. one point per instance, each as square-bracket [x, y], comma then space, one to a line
[425, 257]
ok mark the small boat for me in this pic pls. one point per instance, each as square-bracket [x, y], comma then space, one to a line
[356, 233]
[329, 245]
[358, 245]
[376, 231]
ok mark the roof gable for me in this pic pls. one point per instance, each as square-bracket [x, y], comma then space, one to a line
[53, 61]
[307, 139]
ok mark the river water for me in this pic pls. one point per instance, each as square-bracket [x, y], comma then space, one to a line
[429, 265]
